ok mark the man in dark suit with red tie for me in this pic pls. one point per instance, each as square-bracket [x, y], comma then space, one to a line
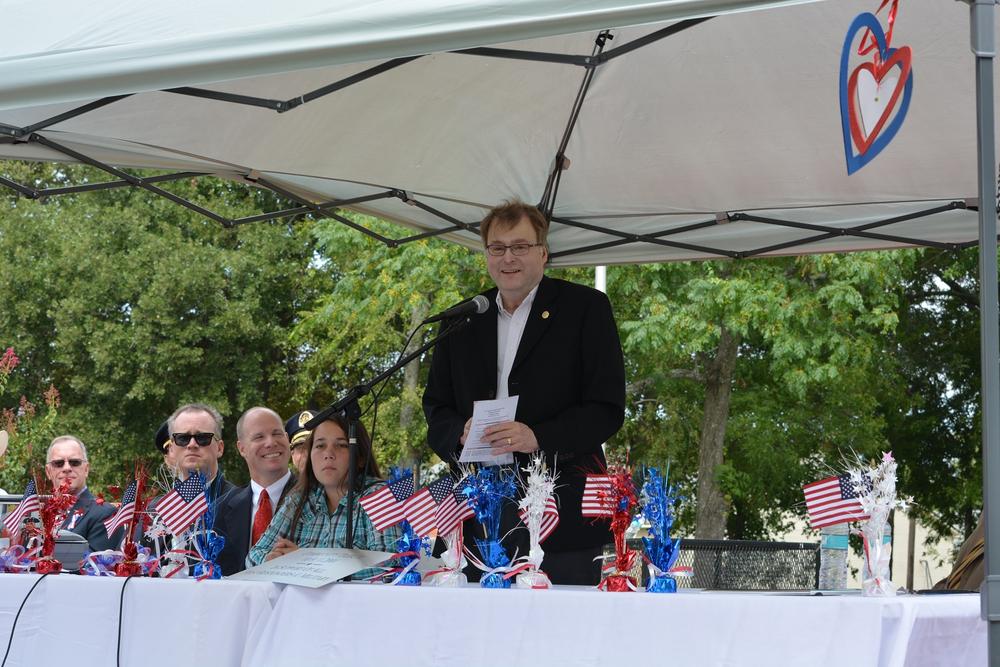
[555, 345]
[245, 513]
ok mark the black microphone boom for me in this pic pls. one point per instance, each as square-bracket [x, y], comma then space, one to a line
[477, 305]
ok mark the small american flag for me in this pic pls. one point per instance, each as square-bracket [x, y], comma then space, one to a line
[386, 506]
[124, 513]
[29, 503]
[183, 505]
[550, 517]
[597, 500]
[831, 501]
[452, 508]
[420, 510]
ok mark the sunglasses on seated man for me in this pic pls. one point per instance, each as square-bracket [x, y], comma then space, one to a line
[184, 439]
[59, 463]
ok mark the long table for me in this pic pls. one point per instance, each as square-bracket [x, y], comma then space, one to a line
[362, 625]
[74, 620]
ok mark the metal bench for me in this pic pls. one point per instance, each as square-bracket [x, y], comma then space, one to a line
[745, 565]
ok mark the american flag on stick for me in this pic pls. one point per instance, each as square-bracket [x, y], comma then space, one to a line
[550, 517]
[831, 501]
[597, 500]
[183, 505]
[452, 509]
[29, 503]
[386, 507]
[420, 510]
[125, 512]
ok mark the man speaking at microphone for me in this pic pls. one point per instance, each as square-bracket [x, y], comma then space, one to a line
[555, 345]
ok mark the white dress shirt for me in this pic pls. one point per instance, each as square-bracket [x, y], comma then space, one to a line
[510, 328]
[273, 492]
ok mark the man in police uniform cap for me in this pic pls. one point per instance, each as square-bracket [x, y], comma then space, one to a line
[162, 443]
[297, 434]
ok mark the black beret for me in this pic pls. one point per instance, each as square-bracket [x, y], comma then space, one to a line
[162, 438]
[295, 427]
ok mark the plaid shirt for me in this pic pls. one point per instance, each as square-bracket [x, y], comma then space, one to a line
[318, 527]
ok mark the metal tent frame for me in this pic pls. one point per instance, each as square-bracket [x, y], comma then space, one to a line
[983, 25]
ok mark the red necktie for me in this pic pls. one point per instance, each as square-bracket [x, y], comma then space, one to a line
[262, 518]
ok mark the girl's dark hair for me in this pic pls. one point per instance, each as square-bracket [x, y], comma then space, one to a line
[366, 467]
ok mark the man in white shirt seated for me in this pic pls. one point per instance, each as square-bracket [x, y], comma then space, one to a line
[245, 513]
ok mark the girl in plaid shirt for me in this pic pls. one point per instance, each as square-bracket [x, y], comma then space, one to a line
[315, 512]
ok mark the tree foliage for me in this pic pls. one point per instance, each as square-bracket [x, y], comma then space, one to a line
[131, 306]
[749, 377]
[357, 329]
[807, 335]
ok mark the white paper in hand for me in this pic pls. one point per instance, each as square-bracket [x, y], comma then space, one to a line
[487, 413]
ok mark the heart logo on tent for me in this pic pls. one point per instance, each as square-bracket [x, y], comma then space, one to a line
[870, 94]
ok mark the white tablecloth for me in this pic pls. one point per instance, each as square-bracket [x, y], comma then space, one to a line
[73, 620]
[357, 624]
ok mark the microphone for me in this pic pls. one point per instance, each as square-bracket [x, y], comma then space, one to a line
[477, 305]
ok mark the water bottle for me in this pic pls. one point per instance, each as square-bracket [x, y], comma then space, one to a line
[833, 558]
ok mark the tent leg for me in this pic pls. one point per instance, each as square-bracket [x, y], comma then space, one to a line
[983, 15]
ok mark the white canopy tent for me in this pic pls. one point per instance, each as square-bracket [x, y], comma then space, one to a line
[719, 139]
[650, 131]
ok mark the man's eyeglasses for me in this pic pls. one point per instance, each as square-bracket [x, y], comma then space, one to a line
[184, 439]
[59, 463]
[517, 249]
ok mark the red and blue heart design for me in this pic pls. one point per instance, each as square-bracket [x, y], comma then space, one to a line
[875, 95]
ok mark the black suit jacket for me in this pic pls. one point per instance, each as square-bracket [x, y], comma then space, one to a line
[86, 519]
[233, 521]
[569, 375]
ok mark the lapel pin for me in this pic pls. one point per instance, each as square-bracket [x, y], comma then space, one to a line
[545, 314]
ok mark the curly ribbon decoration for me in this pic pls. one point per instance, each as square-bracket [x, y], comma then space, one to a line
[18, 558]
[868, 41]
[402, 579]
[102, 563]
[494, 576]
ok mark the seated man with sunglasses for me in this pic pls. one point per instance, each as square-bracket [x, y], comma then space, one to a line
[196, 445]
[66, 462]
[196, 438]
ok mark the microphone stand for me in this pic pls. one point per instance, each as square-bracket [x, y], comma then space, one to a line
[349, 406]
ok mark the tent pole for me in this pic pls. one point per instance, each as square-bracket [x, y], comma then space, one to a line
[984, 47]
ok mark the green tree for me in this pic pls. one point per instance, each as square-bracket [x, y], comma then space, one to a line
[776, 361]
[132, 305]
[933, 418]
[379, 294]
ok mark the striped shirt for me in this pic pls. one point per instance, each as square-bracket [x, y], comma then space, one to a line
[318, 527]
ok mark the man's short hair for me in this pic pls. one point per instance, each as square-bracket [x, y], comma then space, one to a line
[509, 213]
[239, 422]
[65, 438]
[197, 407]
